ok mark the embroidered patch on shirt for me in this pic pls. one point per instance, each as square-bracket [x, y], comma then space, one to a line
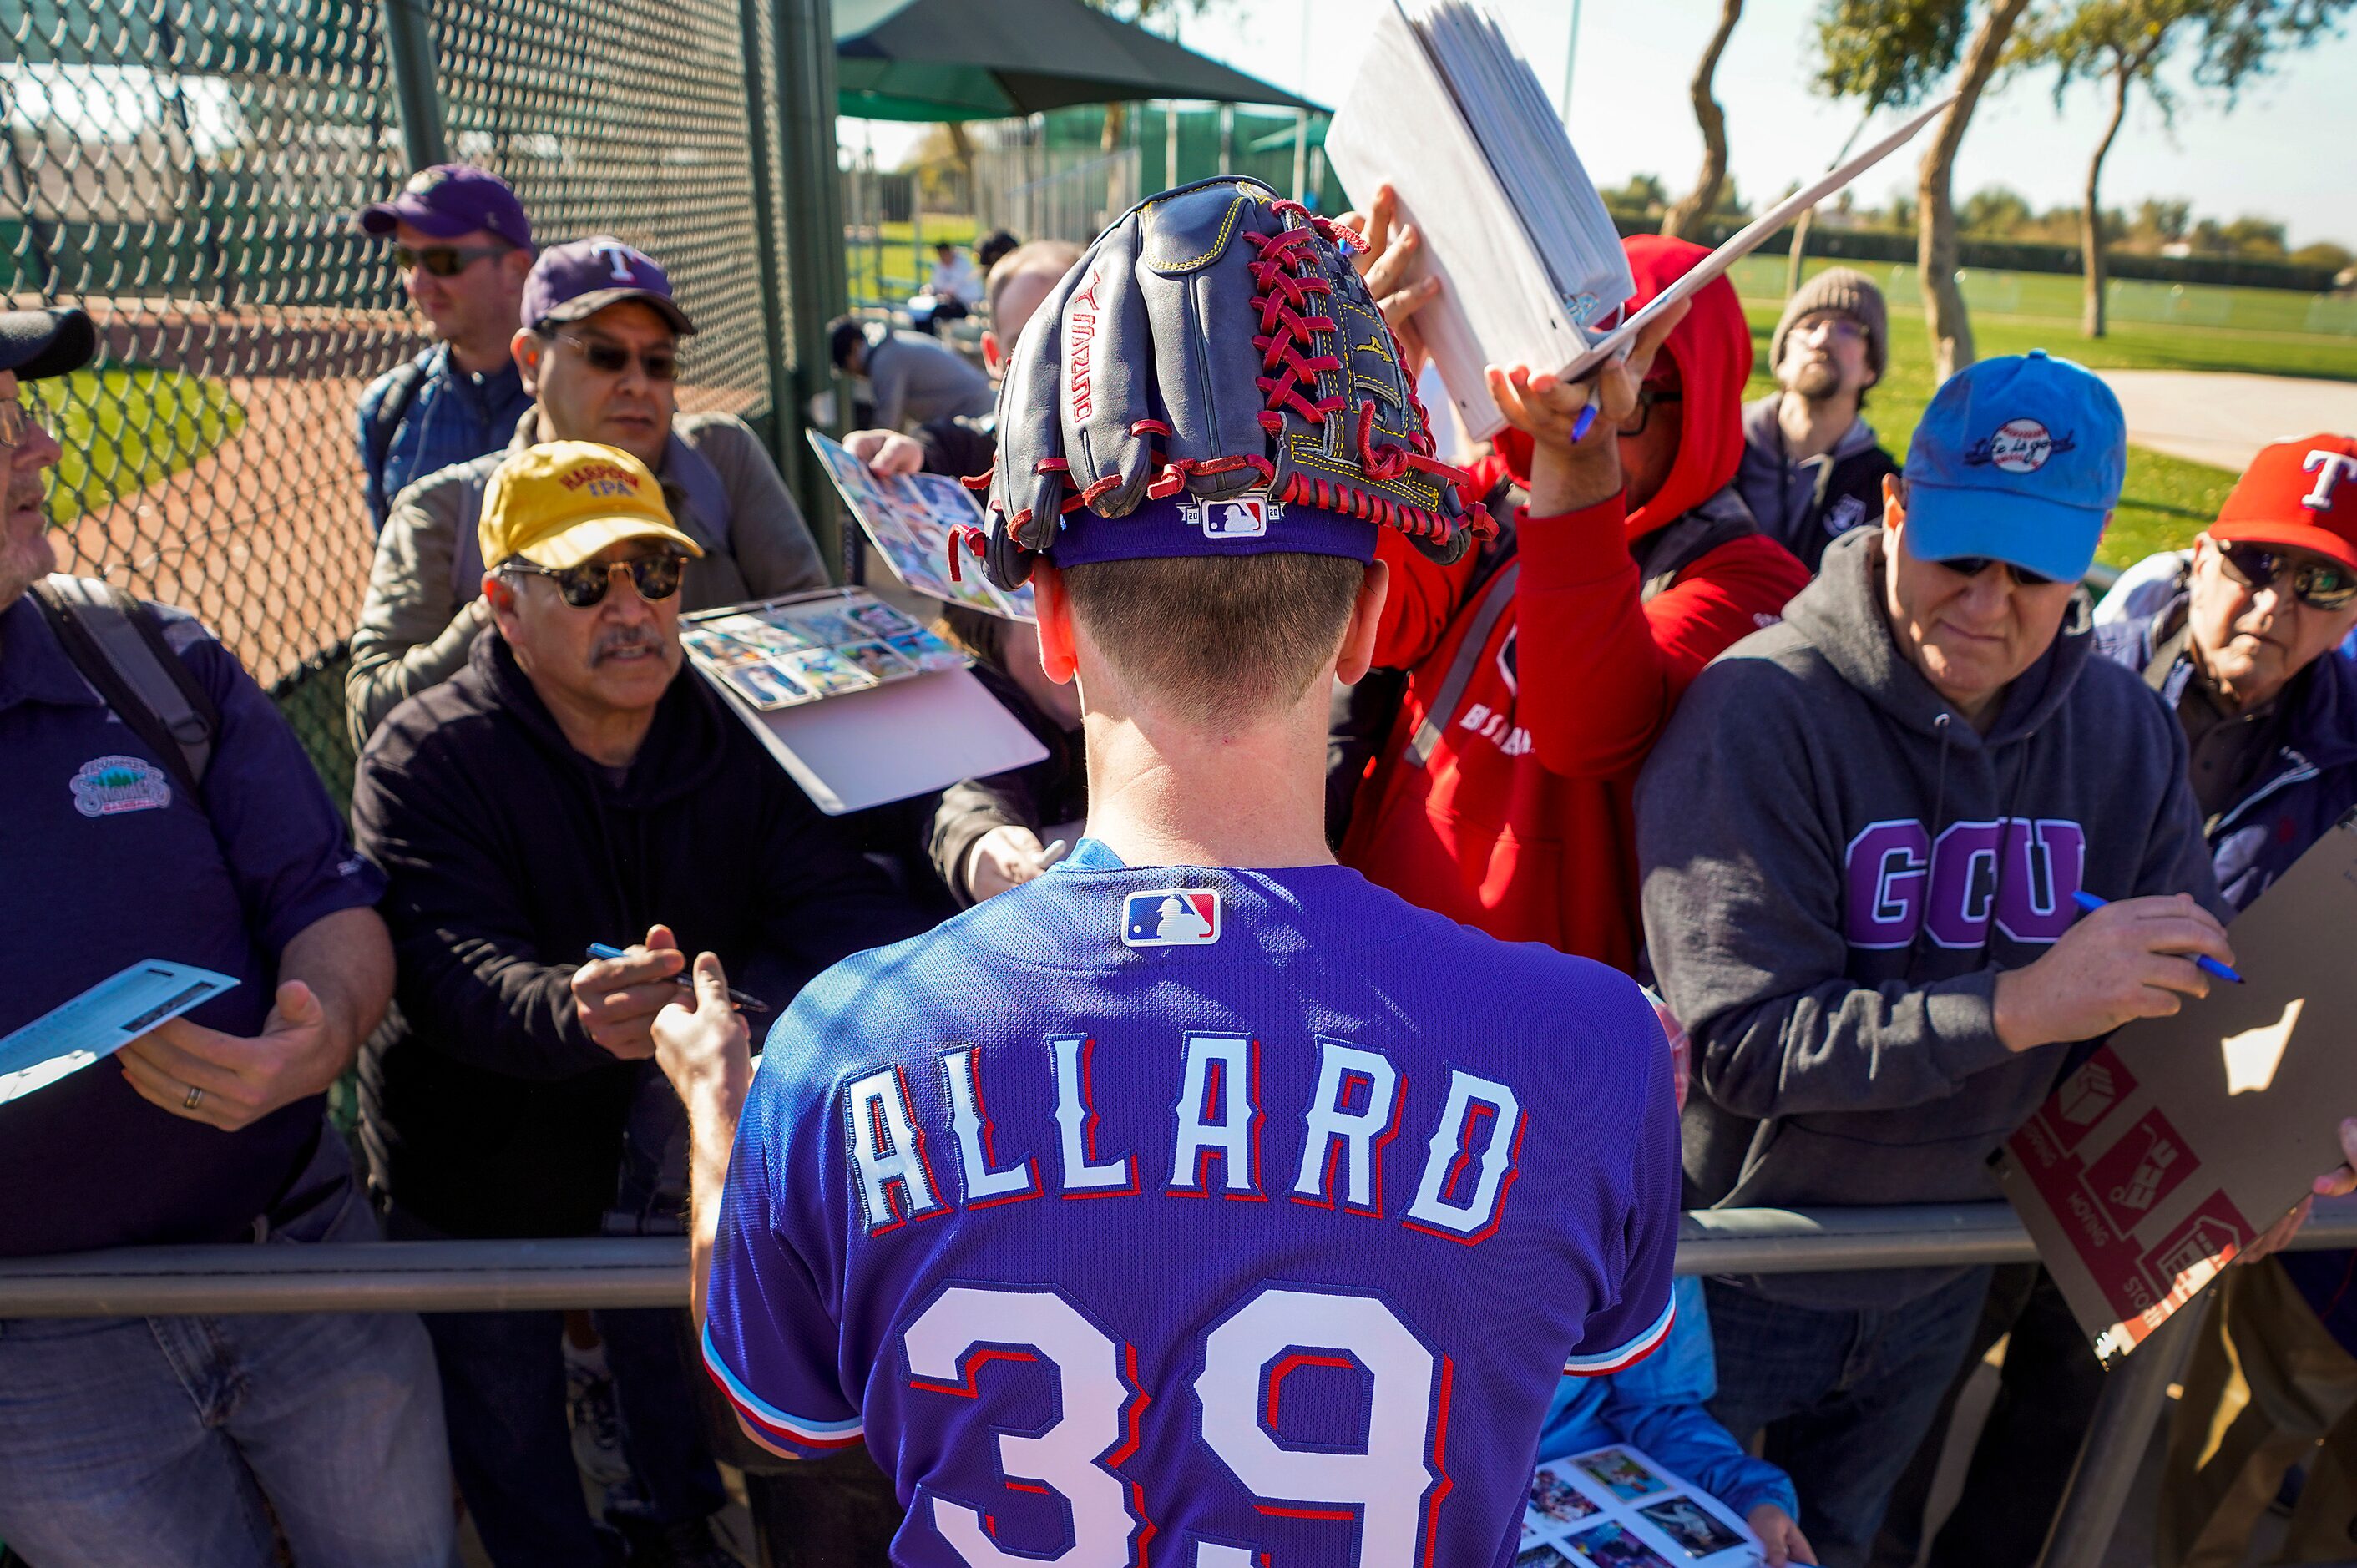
[107, 785]
[1171, 918]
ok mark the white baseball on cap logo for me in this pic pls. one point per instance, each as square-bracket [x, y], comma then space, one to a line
[2021, 447]
[2330, 468]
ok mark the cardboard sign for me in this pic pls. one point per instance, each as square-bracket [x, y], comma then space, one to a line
[2161, 1158]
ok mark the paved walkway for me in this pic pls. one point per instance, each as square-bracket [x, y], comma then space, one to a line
[2223, 418]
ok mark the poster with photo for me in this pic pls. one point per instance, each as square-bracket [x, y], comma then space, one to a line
[1615, 1508]
[780, 653]
[909, 519]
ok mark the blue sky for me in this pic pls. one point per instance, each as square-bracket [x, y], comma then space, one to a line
[2284, 153]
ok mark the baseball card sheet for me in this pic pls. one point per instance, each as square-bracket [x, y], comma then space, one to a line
[834, 682]
[909, 519]
[1615, 1508]
[2166, 1152]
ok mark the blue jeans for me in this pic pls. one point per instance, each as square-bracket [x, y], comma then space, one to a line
[1844, 1396]
[126, 1442]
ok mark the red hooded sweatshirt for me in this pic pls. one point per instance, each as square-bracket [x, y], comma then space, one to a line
[1518, 818]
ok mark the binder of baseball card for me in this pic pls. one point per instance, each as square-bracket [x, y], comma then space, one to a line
[1617, 1508]
[860, 703]
[1448, 112]
[2178, 1141]
[911, 519]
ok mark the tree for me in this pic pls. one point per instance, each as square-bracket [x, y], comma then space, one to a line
[1644, 195]
[1993, 213]
[2324, 253]
[2122, 44]
[1884, 54]
[1901, 47]
[1696, 205]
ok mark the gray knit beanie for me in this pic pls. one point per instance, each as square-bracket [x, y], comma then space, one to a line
[1853, 294]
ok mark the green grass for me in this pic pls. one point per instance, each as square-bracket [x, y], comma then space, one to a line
[125, 428]
[2167, 501]
[896, 265]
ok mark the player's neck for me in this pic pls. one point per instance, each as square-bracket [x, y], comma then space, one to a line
[1162, 794]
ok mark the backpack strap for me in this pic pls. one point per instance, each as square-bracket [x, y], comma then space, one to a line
[401, 391]
[1671, 549]
[1494, 605]
[119, 646]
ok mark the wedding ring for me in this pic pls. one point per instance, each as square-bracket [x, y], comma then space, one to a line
[195, 1094]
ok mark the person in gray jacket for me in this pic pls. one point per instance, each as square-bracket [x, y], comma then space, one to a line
[599, 349]
[912, 379]
[1859, 842]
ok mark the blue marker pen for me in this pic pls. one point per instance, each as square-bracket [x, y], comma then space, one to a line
[685, 977]
[2207, 965]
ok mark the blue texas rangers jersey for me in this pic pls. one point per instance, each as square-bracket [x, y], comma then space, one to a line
[1215, 1219]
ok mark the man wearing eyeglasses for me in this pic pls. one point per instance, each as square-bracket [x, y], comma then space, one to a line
[145, 1442]
[1812, 470]
[2241, 647]
[599, 349]
[462, 245]
[1859, 842]
[574, 784]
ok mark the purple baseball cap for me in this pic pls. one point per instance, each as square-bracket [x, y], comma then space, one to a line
[571, 281]
[450, 200]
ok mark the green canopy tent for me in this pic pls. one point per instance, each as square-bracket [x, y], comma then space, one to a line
[989, 59]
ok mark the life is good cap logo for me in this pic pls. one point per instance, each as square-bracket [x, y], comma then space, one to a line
[1171, 918]
[2020, 446]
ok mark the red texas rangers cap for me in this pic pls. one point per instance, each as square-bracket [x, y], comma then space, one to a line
[2302, 494]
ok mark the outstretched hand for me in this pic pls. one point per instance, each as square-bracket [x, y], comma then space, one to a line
[1568, 471]
[701, 1037]
[1393, 251]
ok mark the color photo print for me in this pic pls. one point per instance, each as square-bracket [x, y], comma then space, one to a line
[1615, 1508]
[780, 653]
[910, 518]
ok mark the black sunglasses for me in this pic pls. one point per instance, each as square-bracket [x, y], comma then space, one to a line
[584, 587]
[612, 359]
[2319, 585]
[444, 260]
[1973, 565]
[1647, 398]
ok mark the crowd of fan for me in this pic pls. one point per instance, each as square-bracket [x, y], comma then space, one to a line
[1641, 726]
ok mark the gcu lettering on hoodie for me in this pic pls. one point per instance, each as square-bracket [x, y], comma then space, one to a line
[1836, 867]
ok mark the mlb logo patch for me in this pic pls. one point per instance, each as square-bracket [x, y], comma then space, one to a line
[1171, 918]
[1238, 516]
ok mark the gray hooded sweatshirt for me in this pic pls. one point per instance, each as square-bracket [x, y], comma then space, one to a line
[1834, 969]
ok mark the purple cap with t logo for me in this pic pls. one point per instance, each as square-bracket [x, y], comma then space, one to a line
[572, 282]
[450, 200]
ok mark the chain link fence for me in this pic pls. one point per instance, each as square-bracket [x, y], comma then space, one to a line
[187, 170]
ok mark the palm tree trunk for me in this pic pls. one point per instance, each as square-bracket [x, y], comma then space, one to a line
[1686, 216]
[2091, 215]
[1945, 314]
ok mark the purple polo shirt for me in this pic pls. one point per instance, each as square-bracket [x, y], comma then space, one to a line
[106, 861]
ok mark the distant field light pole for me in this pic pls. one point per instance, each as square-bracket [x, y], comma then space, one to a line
[1570, 63]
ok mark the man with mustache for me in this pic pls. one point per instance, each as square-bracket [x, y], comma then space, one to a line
[1811, 469]
[598, 347]
[574, 784]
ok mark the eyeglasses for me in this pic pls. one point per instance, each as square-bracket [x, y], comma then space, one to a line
[444, 260]
[584, 587]
[1973, 565]
[612, 359]
[2319, 585]
[1647, 397]
[1841, 328]
[14, 423]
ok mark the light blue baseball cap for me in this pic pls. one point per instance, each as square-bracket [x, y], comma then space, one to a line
[2020, 458]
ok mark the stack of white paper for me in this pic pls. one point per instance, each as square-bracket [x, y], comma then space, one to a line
[1448, 111]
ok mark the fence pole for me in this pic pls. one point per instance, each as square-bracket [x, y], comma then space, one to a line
[816, 287]
[784, 426]
[409, 49]
[2118, 1439]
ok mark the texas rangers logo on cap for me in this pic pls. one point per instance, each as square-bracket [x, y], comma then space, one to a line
[1171, 918]
[2019, 447]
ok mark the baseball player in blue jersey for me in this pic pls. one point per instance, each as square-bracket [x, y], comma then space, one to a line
[1198, 1203]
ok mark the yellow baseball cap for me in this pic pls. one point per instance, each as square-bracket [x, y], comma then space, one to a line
[561, 502]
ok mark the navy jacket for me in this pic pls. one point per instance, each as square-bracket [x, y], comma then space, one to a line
[2306, 788]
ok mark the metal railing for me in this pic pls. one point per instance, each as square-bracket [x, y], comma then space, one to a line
[486, 1276]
